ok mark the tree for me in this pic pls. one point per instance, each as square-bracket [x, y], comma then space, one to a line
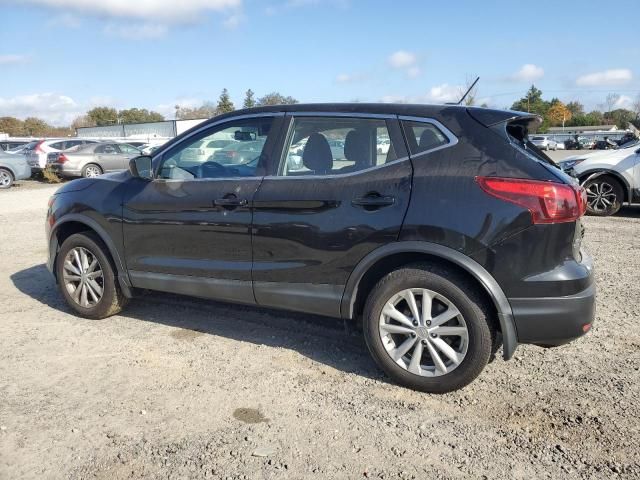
[82, 121]
[558, 114]
[274, 98]
[611, 101]
[576, 108]
[249, 101]
[206, 110]
[11, 126]
[225, 105]
[533, 102]
[103, 116]
[139, 115]
[34, 127]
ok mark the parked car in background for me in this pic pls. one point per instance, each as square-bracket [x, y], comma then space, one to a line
[205, 149]
[6, 145]
[37, 155]
[610, 178]
[383, 146]
[390, 243]
[92, 159]
[12, 168]
[560, 146]
[544, 142]
[587, 143]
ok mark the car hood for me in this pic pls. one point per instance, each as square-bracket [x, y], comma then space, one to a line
[610, 155]
[84, 183]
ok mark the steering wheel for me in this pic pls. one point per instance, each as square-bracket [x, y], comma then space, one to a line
[211, 170]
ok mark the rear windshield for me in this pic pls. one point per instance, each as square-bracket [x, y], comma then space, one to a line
[537, 138]
[518, 131]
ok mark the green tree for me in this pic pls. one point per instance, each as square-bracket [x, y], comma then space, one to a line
[82, 121]
[576, 108]
[102, 116]
[274, 98]
[12, 126]
[225, 105]
[139, 115]
[206, 110]
[249, 101]
[36, 127]
[531, 102]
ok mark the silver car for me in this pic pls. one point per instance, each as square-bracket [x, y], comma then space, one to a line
[544, 143]
[12, 168]
[92, 160]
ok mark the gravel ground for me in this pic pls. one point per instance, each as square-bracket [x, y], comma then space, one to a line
[183, 388]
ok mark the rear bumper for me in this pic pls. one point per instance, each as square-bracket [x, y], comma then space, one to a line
[554, 321]
[62, 171]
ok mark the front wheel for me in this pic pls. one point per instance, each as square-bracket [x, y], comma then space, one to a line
[604, 196]
[6, 179]
[87, 278]
[428, 329]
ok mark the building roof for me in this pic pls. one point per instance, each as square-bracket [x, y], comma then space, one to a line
[588, 128]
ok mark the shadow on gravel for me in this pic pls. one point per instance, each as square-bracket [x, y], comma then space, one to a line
[321, 339]
[629, 212]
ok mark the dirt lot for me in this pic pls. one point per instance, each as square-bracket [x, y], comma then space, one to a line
[182, 388]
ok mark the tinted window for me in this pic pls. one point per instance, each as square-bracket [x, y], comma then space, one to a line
[57, 145]
[127, 148]
[423, 137]
[106, 148]
[239, 158]
[336, 145]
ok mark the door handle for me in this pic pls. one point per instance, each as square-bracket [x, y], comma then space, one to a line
[373, 200]
[231, 201]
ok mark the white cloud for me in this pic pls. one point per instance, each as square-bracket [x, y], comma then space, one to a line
[233, 21]
[13, 59]
[402, 59]
[168, 11]
[51, 107]
[607, 77]
[143, 31]
[624, 102]
[528, 73]
[439, 94]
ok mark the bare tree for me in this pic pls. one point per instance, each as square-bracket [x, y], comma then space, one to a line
[473, 93]
[635, 107]
[611, 101]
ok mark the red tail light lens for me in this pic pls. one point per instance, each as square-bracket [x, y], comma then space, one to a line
[548, 202]
[62, 158]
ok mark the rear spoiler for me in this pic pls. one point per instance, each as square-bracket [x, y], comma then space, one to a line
[490, 118]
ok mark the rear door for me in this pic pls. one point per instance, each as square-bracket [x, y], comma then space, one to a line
[109, 157]
[317, 216]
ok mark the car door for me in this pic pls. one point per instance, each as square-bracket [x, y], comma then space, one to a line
[109, 157]
[189, 229]
[127, 153]
[315, 220]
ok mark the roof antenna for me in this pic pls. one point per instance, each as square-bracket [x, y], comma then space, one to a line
[466, 93]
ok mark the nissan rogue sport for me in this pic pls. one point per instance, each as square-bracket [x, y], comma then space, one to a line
[461, 238]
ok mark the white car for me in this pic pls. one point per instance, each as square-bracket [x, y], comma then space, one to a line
[383, 146]
[560, 146]
[204, 149]
[36, 155]
[610, 177]
[544, 143]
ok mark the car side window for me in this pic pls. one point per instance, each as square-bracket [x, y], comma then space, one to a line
[107, 148]
[232, 149]
[126, 148]
[423, 137]
[57, 145]
[335, 145]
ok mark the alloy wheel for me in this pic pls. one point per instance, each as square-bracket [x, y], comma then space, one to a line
[5, 179]
[601, 196]
[92, 171]
[423, 332]
[83, 278]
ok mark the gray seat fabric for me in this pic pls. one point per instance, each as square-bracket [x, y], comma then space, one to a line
[317, 154]
[356, 150]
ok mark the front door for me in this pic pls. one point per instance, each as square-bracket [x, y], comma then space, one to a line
[336, 195]
[109, 157]
[188, 230]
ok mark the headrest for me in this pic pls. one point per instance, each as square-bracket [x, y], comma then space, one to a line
[317, 154]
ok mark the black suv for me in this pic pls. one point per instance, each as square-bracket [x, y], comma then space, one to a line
[441, 228]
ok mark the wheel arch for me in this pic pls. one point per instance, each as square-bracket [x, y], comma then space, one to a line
[389, 257]
[8, 169]
[73, 224]
[595, 173]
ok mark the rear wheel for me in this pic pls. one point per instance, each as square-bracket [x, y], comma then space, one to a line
[428, 329]
[91, 170]
[604, 196]
[86, 277]
[6, 178]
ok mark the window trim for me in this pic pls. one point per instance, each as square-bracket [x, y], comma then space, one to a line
[453, 140]
[289, 133]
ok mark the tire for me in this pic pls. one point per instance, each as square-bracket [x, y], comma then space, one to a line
[6, 179]
[91, 170]
[473, 314]
[112, 300]
[604, 196]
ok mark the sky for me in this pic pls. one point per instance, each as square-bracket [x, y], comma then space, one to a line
[59, 58]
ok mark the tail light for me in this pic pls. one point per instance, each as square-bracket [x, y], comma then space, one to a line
[62, 158]
[548, 202]
[38, 147]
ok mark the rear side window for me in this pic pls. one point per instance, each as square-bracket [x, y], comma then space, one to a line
[57, 145]
[423, 137]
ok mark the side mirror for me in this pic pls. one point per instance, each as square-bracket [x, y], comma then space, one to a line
[141, 167]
